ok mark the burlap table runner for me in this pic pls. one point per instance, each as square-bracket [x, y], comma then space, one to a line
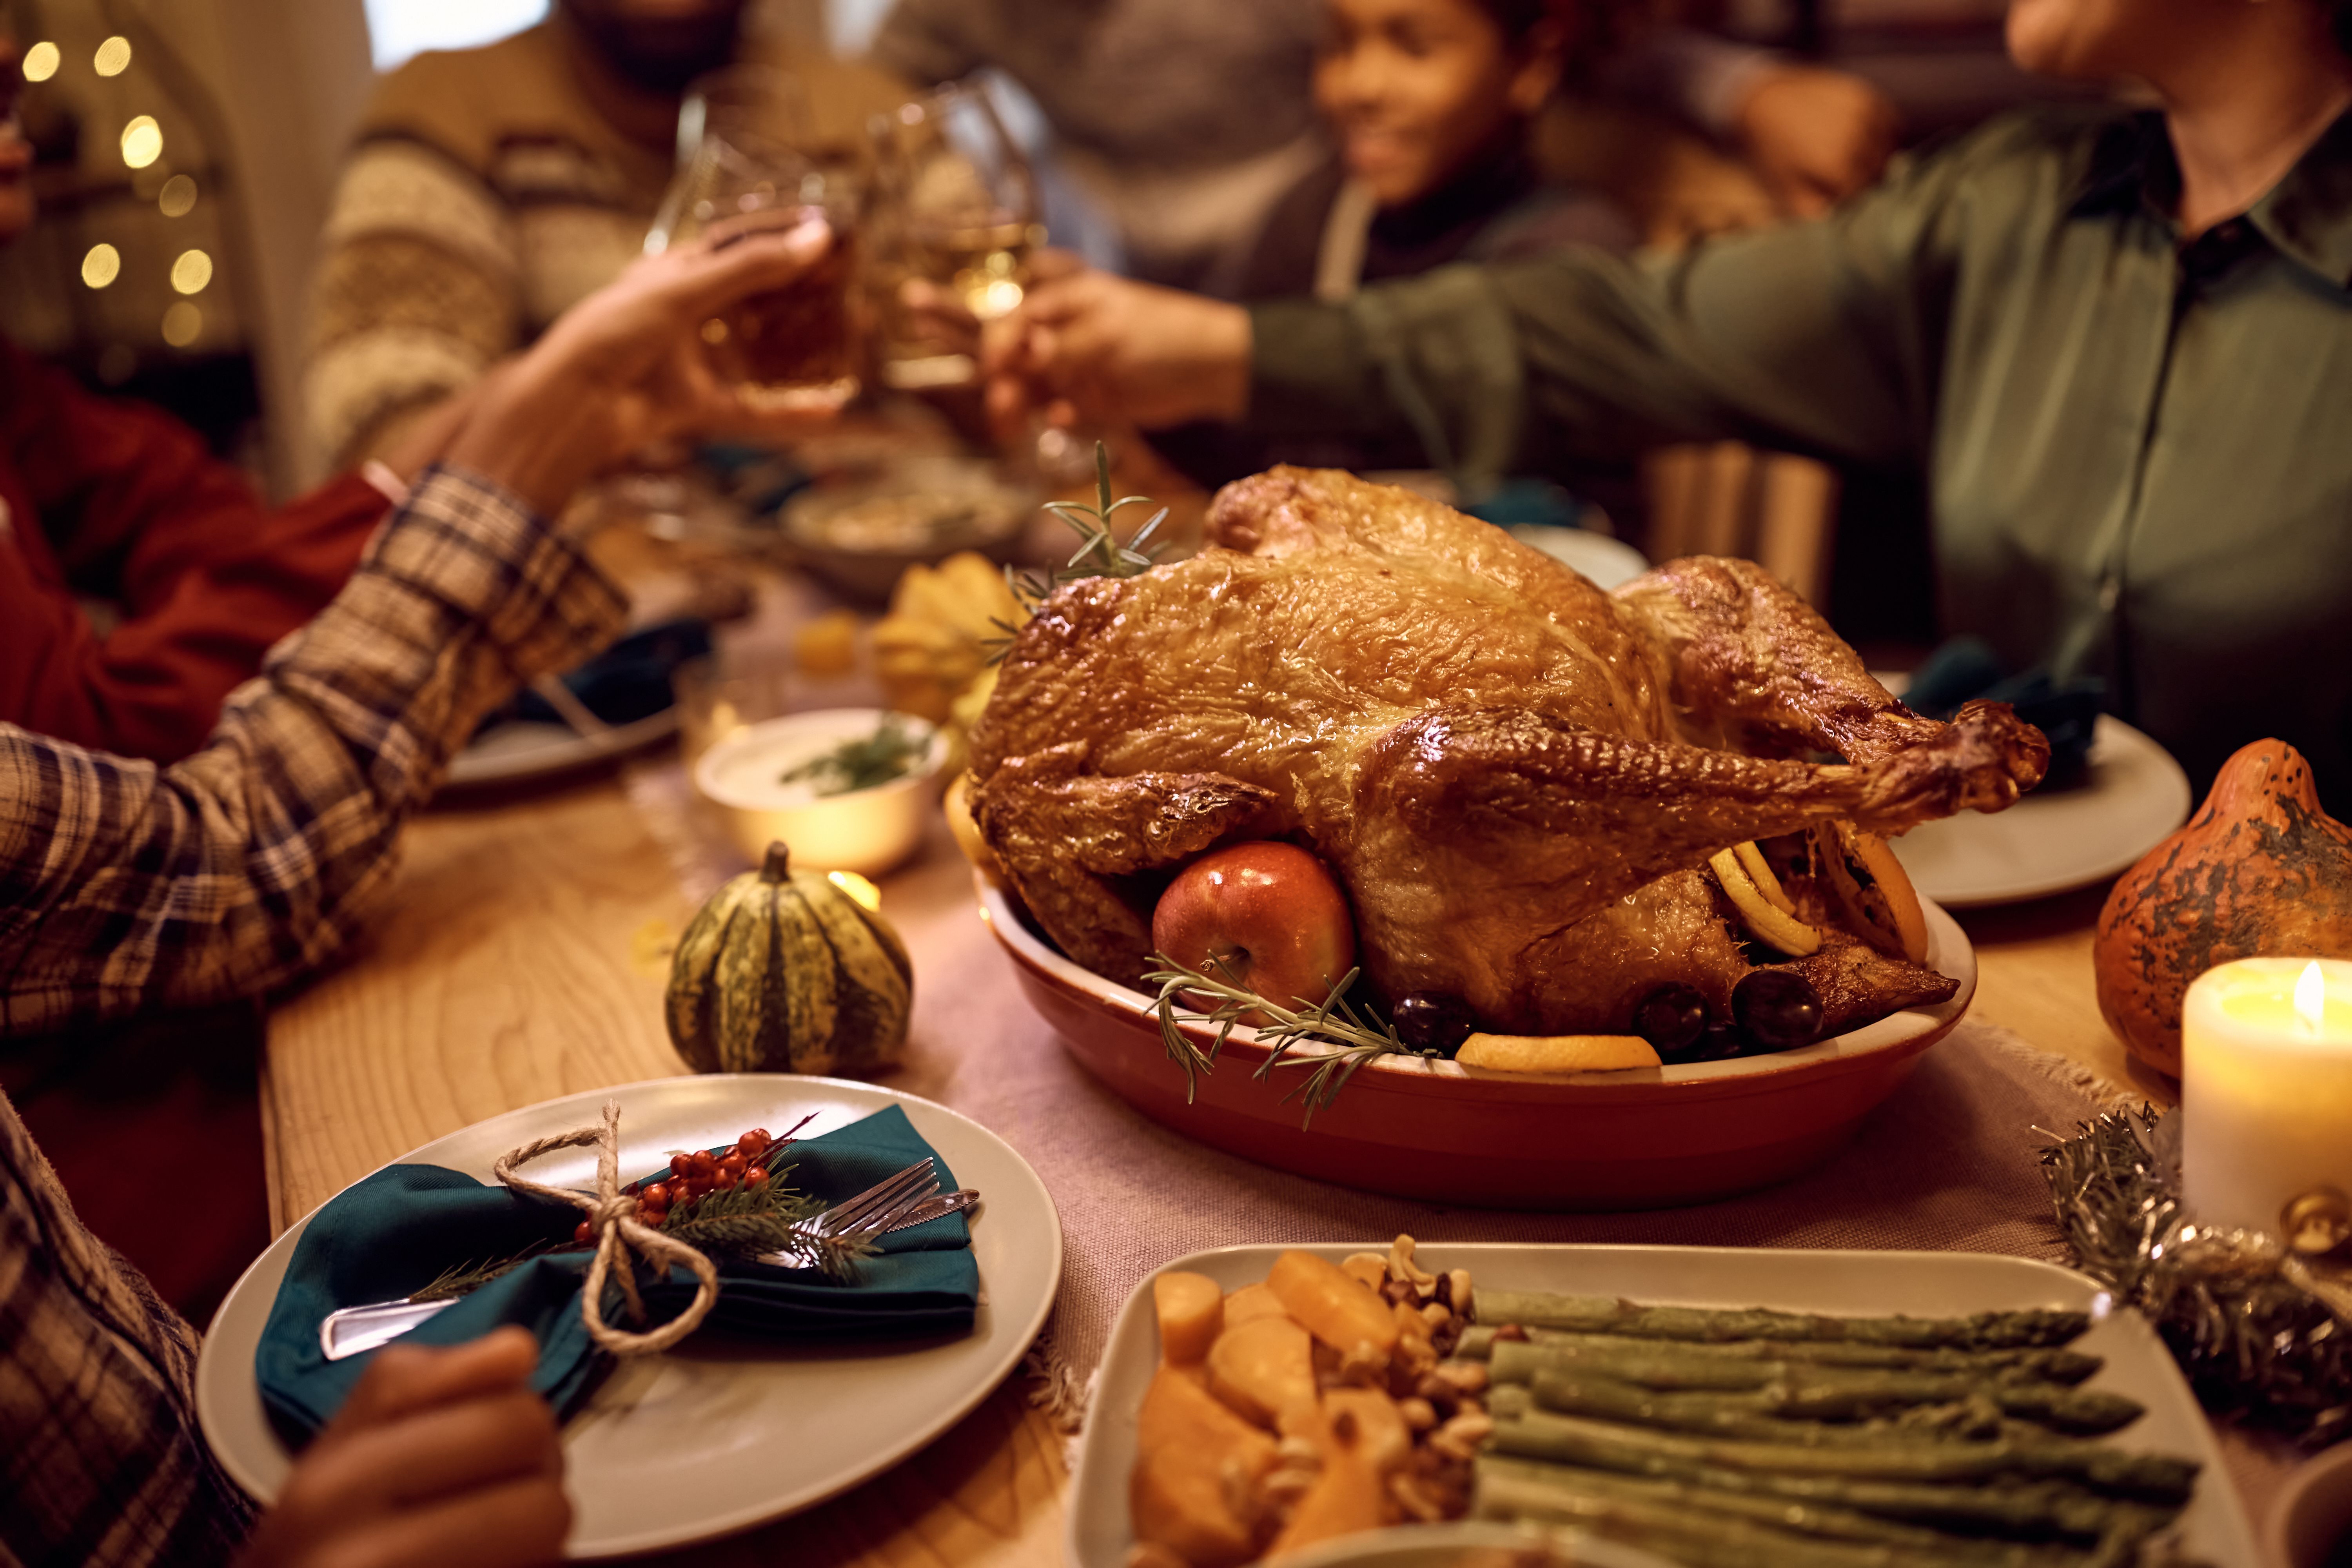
[1947, 1165]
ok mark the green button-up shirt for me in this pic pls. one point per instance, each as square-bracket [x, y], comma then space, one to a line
[2139, 453]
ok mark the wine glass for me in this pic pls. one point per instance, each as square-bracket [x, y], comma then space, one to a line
[958, 208]
[749, 166]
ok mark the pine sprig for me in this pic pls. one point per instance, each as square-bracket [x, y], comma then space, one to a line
[465, 1279]
[741, 1220]
[750, 1221]
[1353, 1037]
[1100, 552]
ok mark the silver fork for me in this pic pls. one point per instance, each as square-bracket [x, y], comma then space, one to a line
[905, 1198]
[918, 1207]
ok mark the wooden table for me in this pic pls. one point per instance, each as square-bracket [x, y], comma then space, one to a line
[492, 983]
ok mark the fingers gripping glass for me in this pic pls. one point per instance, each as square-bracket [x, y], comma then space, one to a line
[957, 208]
[750, 164]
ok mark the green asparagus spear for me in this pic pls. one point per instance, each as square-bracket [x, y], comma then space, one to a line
[2068, 1366]
[1602, 1400]
[1896, 1481]
[2151, 1478]
[1599, 1314]
[1677, 1363]
[1520, 1489]
[1829, 1394]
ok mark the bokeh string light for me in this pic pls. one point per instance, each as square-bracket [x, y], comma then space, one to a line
[113, 56]
[178, 196]
[101, 266]
[142, 142]
[182, 324]
[192, 271]
[41, 62]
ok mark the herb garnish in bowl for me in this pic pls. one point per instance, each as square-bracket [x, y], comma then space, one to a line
[893, 750]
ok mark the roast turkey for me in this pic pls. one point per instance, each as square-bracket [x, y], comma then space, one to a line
[1517, 777]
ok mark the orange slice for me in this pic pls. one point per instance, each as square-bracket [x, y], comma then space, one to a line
[1875, 892]
[1557, 1053]
[1770, 925]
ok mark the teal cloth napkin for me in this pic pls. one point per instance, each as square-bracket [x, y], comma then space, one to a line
[400, 1229]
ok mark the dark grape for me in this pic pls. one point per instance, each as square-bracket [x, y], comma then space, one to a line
[1776, 1010]
[1718, 1042]
[1433, 1021]
[1671, 1018]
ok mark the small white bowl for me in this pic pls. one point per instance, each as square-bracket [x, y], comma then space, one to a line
[2311, 1518]
[868, 831]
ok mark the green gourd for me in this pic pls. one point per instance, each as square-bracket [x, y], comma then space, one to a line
[783, 972]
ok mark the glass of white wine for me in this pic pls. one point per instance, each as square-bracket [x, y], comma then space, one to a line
[746, 165]
[956, 206]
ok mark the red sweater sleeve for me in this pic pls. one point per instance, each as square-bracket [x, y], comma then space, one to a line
[116, 500]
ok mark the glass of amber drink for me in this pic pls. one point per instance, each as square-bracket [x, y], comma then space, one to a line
[956, 206]
[793, 349]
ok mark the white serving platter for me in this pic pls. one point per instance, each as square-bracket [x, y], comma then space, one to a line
[1854, 1283]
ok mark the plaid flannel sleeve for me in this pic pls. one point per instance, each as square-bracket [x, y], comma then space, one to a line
[124, 884]
[100, 1460]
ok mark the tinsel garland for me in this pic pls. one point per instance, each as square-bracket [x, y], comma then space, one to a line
[2252, 1324]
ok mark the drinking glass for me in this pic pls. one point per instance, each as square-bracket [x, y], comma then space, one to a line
[747, 167]
[958, 207]
[714, 703]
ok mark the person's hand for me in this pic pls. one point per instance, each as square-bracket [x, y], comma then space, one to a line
[625, 368]
[1816, 136]
[1115, 352]
[440, 1458]
[936, 314]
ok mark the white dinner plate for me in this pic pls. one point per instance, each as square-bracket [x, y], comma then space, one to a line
[2133, 797]
[523, 752]
[1606, 562]
[1852, 1283]
[726, 1431]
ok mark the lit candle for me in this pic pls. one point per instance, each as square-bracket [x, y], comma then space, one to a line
[2266, 1087]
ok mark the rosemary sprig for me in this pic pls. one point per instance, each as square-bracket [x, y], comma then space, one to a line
[1100, 552]
[1354, 1038]
[1173, 980]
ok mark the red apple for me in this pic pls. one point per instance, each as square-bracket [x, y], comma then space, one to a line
[1271, 915]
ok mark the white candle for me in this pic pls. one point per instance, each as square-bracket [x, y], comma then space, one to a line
[2266, 1087]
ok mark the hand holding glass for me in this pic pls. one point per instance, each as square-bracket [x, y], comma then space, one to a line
[958, 212]
[792, 350]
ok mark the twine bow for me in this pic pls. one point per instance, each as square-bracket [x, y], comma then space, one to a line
[614, 1216]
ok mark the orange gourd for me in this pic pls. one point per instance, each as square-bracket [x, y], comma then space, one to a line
[2259, 869]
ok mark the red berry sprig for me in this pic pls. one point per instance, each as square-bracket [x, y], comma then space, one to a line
[690, 1176]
